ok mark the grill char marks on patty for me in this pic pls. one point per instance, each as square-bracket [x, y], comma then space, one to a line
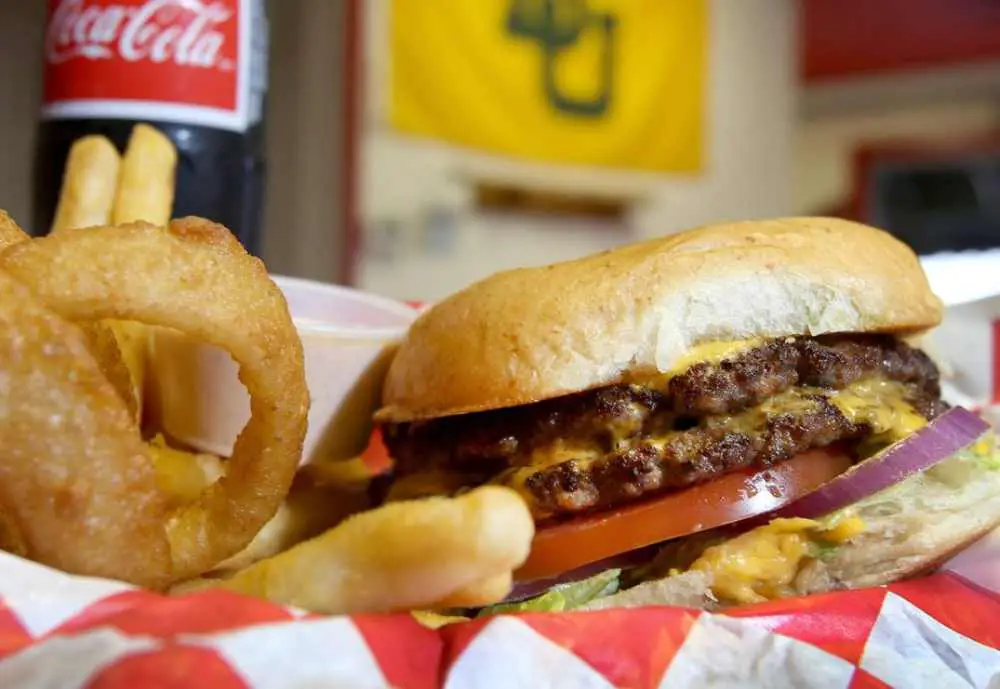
[824, 362]
[680, 459]
[610, 445]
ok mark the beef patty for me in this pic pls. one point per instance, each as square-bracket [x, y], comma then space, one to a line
[606, 446]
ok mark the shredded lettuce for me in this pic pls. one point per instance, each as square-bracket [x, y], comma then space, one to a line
[985, 452]
[990, 462]
[822, 550]
[563, 596]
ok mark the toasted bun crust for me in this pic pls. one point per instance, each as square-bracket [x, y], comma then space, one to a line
[536, 333]
[923, 523]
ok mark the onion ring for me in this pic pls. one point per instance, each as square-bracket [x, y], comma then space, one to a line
[104, 342]
[119, 347]
[10, 231]
[76, 491]
[197, 279]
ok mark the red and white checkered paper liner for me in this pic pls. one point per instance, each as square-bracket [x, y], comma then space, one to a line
[940, 631]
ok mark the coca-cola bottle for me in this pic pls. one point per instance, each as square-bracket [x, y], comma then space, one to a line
[195, 69]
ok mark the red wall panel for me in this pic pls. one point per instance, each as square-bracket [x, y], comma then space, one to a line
[845, 38]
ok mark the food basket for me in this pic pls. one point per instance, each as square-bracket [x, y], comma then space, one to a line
[941, 630]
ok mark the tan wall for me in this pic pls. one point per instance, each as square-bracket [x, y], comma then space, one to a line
[21, 78]
[303, 227]
[751, 118]
[936, 105]
[303, 234]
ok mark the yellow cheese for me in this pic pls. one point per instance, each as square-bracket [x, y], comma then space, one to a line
[712, 352]
[984, 447]
[762, 564]
[183, 476]
[844, 529]
[880, 404]
[433, 620]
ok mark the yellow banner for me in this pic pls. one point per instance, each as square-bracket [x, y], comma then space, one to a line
[618, 83]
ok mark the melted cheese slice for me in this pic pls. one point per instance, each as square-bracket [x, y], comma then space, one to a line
[880, 404]
[433, 620]
[712, 352]
[762, 564]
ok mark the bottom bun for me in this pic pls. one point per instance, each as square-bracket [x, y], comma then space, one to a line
[910, 529]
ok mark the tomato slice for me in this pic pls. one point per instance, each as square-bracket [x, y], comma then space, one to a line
[376, 456]
[730, 498]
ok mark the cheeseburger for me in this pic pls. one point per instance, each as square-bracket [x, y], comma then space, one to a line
[724, 416]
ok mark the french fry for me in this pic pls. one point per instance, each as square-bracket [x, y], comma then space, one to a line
[99, 187]
[86, 198]
[145, 193]
[351, 475]
[308, 511]
[146, 183]
[181, 475]
[480, 593]
[133, 345]
[89, 183]
[105, 346]
[401, 556]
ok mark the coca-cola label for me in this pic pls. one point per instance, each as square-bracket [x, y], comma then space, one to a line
[191, 61]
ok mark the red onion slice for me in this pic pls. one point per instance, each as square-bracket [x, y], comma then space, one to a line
[957, 428]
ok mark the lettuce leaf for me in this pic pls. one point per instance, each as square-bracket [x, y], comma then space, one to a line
[562, 596]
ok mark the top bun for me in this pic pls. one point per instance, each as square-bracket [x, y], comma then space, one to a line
[535, 333]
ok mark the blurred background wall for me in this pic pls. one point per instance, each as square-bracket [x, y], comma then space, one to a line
[920, 70]
[750, 113]
[303, 225]
[22, 27]
[793, 98]
[828, 134]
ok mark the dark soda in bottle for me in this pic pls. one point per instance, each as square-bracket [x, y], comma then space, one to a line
[195, 69]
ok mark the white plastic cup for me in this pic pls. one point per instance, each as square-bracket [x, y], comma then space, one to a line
[348, 338]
